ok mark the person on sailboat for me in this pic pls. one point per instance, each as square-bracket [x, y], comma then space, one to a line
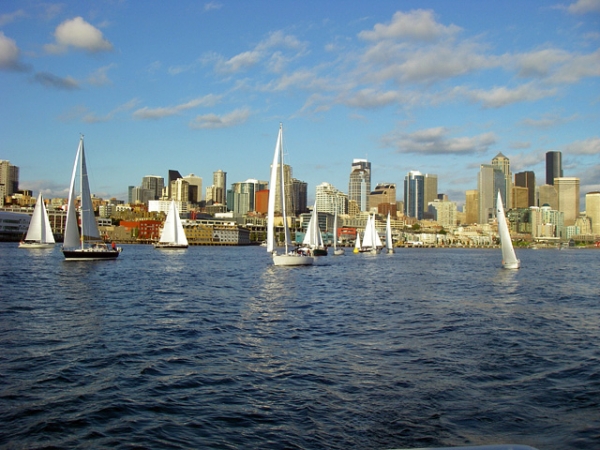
[114, 246]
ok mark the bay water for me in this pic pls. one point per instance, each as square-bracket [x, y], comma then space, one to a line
[213, 347]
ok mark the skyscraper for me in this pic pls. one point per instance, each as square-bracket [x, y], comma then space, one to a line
[502, 163]
[173, 175]
[527, 180]
[360, 183]
[299, 196]
[195, 186]
[592, 210]
[219, 187]
[568, 198]
[155, 185]
[490, 180]
[331, 200]
[414, 194]
[9, 180]
[553, 166]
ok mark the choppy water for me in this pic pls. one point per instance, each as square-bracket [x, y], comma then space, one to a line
[215, 348]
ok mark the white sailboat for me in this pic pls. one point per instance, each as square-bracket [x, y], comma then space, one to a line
[509, 259]
[289, 258]
[371, 241]
[39, 234]
[313, 239]
[388, 235]
[357, 243]
[88, 245]
[172, 235]
[336, 251]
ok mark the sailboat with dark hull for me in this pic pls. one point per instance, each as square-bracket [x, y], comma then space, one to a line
[85, 244]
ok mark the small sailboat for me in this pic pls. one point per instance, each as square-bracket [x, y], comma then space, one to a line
[336, 251]
[389, 244]
[509, 259]
[39, 234]
[88, 245]
[371, 241]
[172, 235]
[313, 239]
[357, 243]
[289, 258]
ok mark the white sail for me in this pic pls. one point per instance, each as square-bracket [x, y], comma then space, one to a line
[376, 238]
[272, 193]
[40, 230]
[173, 233]
[388, 235]
[357, 244]
[336, 251]
[71, 238]
[509, 258]
[313, 237]
[368, 235]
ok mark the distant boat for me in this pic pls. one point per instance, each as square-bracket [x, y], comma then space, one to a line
[371, 241]
[509, 259]
[172, 235]
[88, 245]
[289, 258]
[357, 243]
[336, 251]
[388, 236]
[39, 234]
[313, 239]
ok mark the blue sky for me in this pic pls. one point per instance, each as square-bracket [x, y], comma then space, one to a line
[435, 86]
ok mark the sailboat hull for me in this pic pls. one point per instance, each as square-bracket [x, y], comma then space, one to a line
[35, 245]
[89, 254]
[339, 251]
[292, 260]
[514, 265]
[167, 246]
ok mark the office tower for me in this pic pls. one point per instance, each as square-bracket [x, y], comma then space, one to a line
[331, 200]
[592, 210]
[553, 167]
[180, 190]
[195, 186]
[527, 180]
[490, 180]
[172, 176]
[502, 163]
[443, 212]
[140, 195]
[154, 184]
[547, 196]
[9, 180]
[299, 196]
[383, 198]
[244, 195]
[471, 208]
[414, 195]
[567, 189]
[520, 196]
[360, 183]
[219, 187]
[430, 186]
[289, 195]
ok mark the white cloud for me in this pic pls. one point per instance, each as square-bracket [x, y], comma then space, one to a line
[435, 141]
[100, 76]
[584, 7]
[590, 146]
[417, 25]
[11, 17]
[211, 6]
[234, 118]
[159, 113]
[549, 120]
[9, 55]
[79, 34]
[500, 96]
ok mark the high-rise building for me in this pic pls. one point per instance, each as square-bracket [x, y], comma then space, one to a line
[243, 195]
[443, 212]
[383, 194]
[359, 186]
[219, 187]
[173, 175]
[527, 180]
[414, 194]
[9, 180]
[155, 185]
[502, 163]
[592, 210]
[547, 196]
[331, 200]
[471, 209]
[567, 189]
[489, 182]
[180, 190]
[553, 166]
[289, 194]
[299, 196]
[430, 185]
[195, 186]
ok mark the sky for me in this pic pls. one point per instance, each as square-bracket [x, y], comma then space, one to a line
[435, 86]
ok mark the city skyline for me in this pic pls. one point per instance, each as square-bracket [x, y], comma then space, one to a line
[425, 86]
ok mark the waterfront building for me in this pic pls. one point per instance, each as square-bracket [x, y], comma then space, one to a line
[163, 206]
[331, 200]
[359, 186]
[553, 167]
[567, 189]
[546, 223]
[592, 210]
[414, 195]
[526, 180]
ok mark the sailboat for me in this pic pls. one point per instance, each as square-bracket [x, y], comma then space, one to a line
[39, 234]
[289, 258]
[336, 251]
[172, 234]
[357, 243]
[88, 245]
[313, 239]
[371, 241]
[388, 236]
[509, 259]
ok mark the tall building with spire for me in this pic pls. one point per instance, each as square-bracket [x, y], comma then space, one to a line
[359, 186]
[502, 163]
[553, 166]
